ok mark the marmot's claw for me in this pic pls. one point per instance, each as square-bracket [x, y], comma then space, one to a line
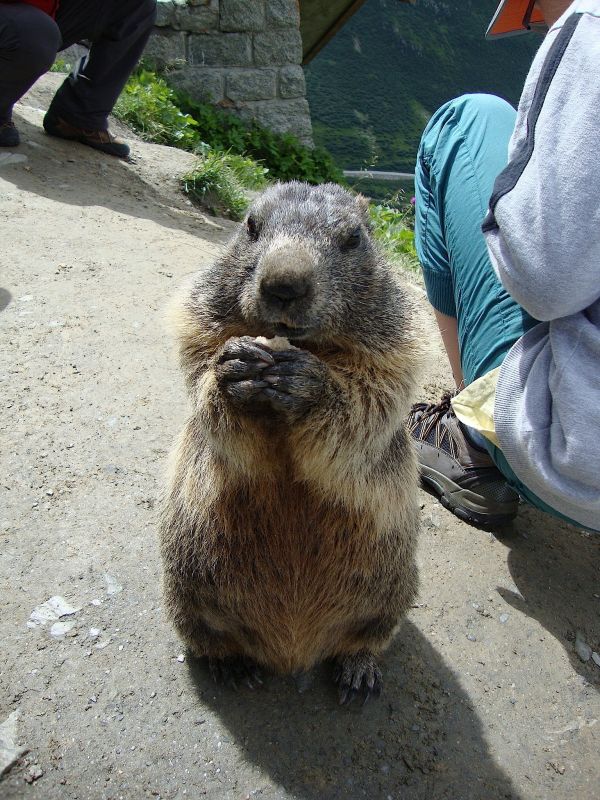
[244, 391]
[235, 670]
[238, 370]
[240, 367]
[280, 401]
[245, 348]
[358, 674]
[295, 382]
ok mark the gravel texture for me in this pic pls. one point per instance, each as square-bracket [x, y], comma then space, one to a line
[485, 693]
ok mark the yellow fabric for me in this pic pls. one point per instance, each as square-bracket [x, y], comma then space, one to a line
[474, 406]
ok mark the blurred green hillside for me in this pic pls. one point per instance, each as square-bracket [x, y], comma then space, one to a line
[374, 86]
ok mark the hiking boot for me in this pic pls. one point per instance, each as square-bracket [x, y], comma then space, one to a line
[99, 140]
[9, 135]
[463, 475]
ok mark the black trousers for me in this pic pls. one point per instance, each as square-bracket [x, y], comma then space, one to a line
[29, 41]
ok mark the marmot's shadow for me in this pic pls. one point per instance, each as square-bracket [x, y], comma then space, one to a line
[421, 739]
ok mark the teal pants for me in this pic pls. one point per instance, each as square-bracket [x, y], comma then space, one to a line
[462, 150]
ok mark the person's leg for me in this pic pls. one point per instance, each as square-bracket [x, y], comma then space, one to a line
[463, 149]
[118, 30]
[29, 40]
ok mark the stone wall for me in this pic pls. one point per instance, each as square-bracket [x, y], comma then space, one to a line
[243, 55]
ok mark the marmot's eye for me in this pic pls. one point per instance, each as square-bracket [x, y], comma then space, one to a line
[353, 240]
[252, 228]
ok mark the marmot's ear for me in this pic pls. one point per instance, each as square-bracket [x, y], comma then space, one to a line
[363, 204]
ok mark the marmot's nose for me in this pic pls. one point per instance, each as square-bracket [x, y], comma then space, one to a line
[285, 289]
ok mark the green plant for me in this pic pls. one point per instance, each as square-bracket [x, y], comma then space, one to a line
[393, 227]
[219, 180]
[164, 115]
[148, 105]
[284, 156]
[60, 65]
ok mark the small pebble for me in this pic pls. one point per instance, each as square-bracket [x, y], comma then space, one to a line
[181, 658]
[49, 492]
[596, 659]
[112, 585]
[582, 648]
[503, 618]
[33, 773]
[471, 637]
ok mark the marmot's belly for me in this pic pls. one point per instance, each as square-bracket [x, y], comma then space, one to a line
[289, 634]
[297, 584]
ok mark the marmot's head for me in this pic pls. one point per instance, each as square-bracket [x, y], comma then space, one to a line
[303, 266]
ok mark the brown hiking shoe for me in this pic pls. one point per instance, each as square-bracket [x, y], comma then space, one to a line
[463, 475]
[9, 135]
[99, 140]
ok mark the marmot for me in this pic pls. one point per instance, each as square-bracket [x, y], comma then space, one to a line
[288, 524]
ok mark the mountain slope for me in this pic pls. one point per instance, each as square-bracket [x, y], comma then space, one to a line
[374, 86]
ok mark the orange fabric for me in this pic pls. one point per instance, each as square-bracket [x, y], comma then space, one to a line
[510, 18]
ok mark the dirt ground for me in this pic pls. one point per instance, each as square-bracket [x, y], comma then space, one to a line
[486, 695]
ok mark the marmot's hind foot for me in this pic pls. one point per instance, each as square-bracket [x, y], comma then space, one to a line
[234, 671]
[358, 674]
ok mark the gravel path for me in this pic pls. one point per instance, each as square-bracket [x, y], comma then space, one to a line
[486, 693]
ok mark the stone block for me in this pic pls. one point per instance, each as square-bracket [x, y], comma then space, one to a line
[291, 82]
[282, 116]
[164, 12]
[283, 14]
[241, 15]
[199, 19]
[220, 50]
[200, 83]
[72, 54]
[166, 49]
[251, 84]
[277, 48]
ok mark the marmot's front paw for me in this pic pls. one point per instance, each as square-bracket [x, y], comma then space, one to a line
[240, 367]
[295, 382]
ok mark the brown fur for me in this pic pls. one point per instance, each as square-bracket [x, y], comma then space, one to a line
[289, 539]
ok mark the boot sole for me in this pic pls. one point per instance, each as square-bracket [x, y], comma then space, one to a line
[121, 152]
[467, 505]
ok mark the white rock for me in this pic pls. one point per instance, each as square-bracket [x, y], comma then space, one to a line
[112, 585]
[61, 628]
[11, 158]
[582, 648]
[53, 609]
[60, 606]
[10, 752]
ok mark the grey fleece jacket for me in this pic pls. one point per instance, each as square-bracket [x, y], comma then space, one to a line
[543, 235]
